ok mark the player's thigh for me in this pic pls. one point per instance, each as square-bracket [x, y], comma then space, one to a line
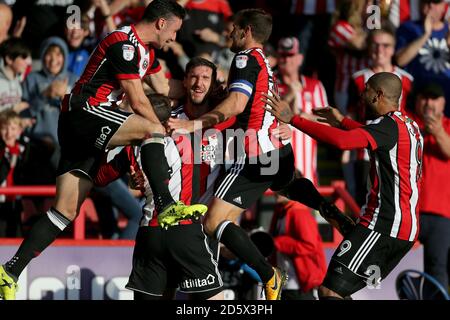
[133, 130]
[360, 257]
[242, 185]
[71, 190]
[193, 260]
[149, 272]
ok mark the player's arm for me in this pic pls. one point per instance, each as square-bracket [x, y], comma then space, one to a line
[233, 105]
[342, 139]
[138, 100]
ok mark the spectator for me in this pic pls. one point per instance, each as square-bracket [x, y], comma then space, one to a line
[434, 201]
[348, 41]
[422, 47]
[14, 54]
[13, 154]
[204, 23]
[78, 55]
[43, 19]
[43, 90]
[299, 249]
[304, 94]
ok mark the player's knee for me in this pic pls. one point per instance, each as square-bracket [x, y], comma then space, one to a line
[210, 226]
[69, 213]
[155, 128]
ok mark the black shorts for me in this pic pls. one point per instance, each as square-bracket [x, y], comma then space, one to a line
[364, 258]
[247, 179]
[84, 134]
[180, 257]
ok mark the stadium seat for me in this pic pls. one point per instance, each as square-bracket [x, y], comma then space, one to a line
[418, 285]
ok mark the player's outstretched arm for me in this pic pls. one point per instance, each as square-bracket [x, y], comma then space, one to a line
[342, 139]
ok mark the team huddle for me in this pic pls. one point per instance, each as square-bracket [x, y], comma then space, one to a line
[198, 178]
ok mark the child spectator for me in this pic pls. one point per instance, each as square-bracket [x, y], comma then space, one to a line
[43, 90]
[14, 53]
[13, 154]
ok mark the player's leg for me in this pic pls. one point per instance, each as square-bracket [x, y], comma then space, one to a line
[219, 224]
[148, 278]
[154, 163]
[302, 190]
[71, 190]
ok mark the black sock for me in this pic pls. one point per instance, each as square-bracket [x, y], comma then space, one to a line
[41, 235]
[238, 242]
[155, 167]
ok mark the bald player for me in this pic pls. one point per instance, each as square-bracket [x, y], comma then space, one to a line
[388, 223]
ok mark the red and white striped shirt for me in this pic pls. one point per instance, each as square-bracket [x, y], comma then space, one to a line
[312, 96]
[396, 149]
[313, 7]
[347, 61]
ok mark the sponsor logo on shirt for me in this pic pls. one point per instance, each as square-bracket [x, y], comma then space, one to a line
[198, 283]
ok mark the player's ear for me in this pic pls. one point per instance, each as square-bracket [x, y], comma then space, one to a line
[160, 23]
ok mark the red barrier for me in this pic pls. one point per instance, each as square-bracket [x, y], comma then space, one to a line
[337, 190]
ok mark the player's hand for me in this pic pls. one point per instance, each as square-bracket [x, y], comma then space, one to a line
[283, 132]
[137, 179]
[329, 115]
[180, 125]
[279, 108]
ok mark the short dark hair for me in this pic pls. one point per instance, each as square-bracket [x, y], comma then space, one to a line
[258, 20]
[163, 9]
[199, 61]
[161, 106]
[13, 48]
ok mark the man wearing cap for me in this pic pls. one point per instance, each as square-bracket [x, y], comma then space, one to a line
[423, 47]
[434, 201]
[303, 94]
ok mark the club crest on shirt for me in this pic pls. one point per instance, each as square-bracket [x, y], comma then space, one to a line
[128, 52]
[145, 64]
[241, 62]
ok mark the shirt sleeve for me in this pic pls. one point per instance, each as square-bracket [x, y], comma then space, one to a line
[341, 34]
[123, 60]
[243, 74]
[381, 133]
